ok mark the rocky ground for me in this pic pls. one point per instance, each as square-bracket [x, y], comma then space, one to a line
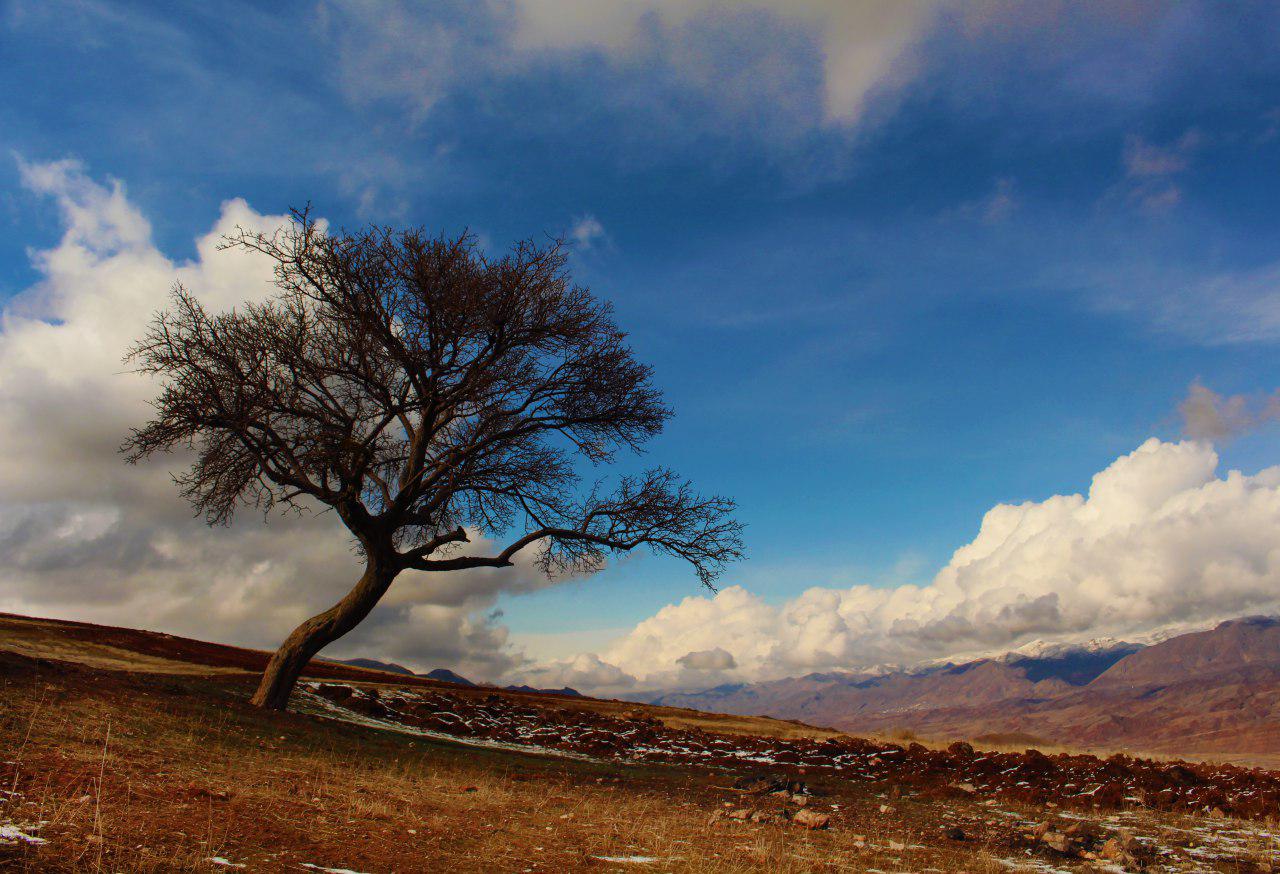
[1081, 782]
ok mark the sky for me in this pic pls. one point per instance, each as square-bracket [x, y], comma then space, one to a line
[973, 308]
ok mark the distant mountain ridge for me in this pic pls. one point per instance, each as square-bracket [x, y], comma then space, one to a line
[375, 665]
[1234, 645]
[444, 675]
[565, 690]
[1216, 690]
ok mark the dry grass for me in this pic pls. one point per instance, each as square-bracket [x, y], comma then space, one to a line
[140, 778]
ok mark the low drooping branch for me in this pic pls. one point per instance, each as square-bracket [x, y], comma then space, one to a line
[655, 510]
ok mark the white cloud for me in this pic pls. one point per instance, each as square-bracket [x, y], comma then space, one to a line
[586, 671]
[1151, 169]
[864, 45]
[1159, 540]
[587, 231]
[86, 536]
[1143, 158]
[400, 51]
[1201, 306]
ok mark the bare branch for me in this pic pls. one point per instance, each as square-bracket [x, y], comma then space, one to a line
[420, 390]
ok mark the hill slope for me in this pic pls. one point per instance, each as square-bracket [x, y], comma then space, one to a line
[131, 751]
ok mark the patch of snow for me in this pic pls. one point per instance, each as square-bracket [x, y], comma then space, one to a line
[329, 870]
[224, 862]
[13, 833]
[342, 714]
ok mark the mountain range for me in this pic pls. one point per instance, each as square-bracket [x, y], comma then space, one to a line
[445, 675]
[1210, 691]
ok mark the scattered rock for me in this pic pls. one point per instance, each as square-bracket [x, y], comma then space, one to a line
[810, 819]
[1030, 777]
[956, 833]
[1083, 829]
[1058, 842]
[1124, 849]
[743, 813]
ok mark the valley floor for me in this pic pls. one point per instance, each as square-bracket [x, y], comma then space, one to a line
[115, 769]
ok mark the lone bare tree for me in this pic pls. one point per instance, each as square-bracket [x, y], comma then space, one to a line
[421, 391]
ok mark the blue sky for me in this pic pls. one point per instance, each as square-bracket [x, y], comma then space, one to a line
[992, 273]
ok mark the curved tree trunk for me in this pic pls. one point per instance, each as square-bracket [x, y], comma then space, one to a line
[316, 633]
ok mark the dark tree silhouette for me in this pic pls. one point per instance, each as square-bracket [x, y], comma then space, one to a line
[421, 391]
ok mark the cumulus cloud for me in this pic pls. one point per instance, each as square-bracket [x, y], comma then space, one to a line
[1159, 540]
[86, 536]
[586, 671]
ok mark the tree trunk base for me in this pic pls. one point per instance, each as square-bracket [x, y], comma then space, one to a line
[293, 656]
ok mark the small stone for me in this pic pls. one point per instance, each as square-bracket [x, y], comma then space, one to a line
[1057, 841]
[810, 819]
[957, 834]
[1084, 830]
[886, 809]
[742, 813]
[897, 845]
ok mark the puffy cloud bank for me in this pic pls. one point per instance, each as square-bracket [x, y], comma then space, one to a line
[83, 535]
[1160, 541]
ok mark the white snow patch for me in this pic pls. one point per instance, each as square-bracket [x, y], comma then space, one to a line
[342, 714]
[13, 833]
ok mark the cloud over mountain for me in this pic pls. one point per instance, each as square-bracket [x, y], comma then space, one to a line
[1160, 540]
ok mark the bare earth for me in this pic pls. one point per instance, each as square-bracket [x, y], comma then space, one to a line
[131, 751]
